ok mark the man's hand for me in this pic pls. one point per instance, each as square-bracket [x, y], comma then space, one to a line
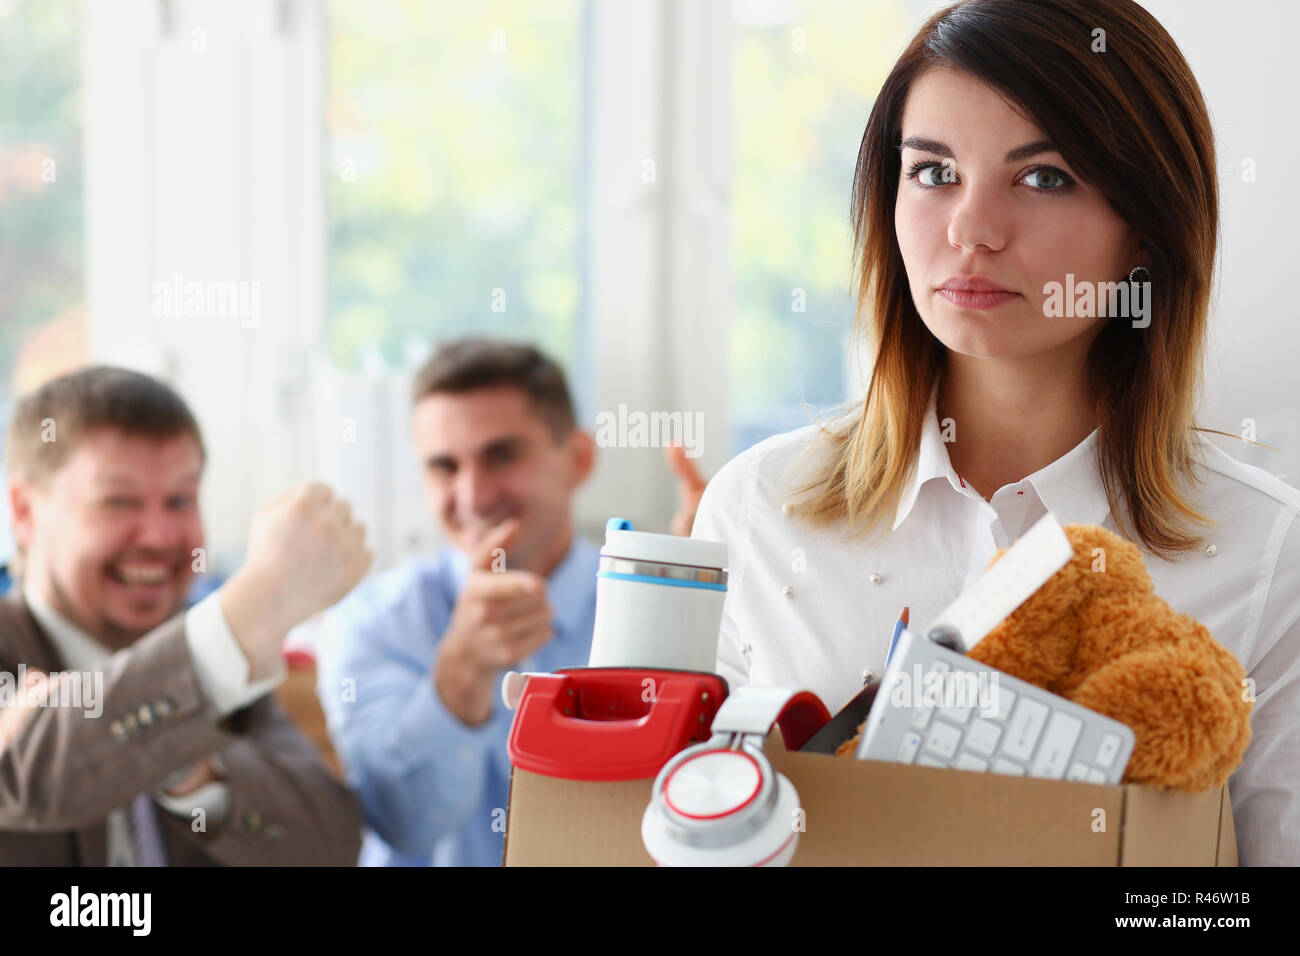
[201, 774]
[305, 552]
[690, 488]
[501, 618]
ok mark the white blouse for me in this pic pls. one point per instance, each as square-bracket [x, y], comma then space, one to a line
[808, 608]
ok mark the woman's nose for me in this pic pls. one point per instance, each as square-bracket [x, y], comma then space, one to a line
[978, 222]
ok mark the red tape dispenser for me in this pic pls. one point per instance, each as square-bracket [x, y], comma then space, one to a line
[608, 723]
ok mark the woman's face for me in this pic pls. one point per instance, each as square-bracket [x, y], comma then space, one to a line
[983, 196]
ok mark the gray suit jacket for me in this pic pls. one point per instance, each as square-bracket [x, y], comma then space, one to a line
[64, 772]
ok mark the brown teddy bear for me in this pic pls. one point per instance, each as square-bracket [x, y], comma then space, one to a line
[1097, 634]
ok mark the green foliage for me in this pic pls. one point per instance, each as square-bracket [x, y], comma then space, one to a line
[454, 173]
[41, 231]
[803, 89]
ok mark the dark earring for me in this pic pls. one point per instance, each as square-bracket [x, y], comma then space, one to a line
[1140, 274]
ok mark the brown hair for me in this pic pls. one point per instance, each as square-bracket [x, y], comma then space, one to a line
[48, 423]
[469, 364]
[1131, 120]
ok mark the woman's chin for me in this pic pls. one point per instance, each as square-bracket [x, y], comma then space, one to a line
[982, 339]
[982, 345]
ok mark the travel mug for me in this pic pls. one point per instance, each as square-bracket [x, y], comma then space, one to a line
[659, 600]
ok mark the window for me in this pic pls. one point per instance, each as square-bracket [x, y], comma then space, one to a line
[42, 319]
[456, 139]
[41, 288]
[805, 76]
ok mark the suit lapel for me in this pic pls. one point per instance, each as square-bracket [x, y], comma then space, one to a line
[31, 646]
[34, 649]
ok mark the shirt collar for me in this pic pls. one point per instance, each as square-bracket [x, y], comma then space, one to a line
[931, 462]
[77, 648]
[571, 587]
[1070, 487]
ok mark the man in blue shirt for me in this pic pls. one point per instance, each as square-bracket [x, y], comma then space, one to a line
[411, 662]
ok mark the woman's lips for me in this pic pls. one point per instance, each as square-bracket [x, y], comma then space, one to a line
[966, 299]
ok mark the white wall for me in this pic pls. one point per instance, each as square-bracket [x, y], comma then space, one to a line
[1243, 55]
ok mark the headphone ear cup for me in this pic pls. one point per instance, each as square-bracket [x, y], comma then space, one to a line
[763, 835]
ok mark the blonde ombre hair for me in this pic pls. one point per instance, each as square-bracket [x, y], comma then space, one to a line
[1133, 123]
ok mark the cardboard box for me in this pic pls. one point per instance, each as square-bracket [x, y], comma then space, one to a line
[865, 812]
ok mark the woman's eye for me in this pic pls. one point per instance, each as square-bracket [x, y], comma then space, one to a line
[1048, 179]
[1042, 179]
[930, 175]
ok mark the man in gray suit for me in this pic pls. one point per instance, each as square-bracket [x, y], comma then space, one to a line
[132, 733]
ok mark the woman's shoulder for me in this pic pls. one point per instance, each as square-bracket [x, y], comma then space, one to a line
[1256, 508]
[771, 470]
[1238, 486]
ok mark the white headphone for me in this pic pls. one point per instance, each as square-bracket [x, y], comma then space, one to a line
[721, 803]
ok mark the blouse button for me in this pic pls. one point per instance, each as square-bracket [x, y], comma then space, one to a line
[875, 578]
[785, 507]
[787, 590]
[1211, 550]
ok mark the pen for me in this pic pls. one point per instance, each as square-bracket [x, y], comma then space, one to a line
[898, 629]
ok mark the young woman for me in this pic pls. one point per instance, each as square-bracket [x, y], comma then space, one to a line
[1019, 144]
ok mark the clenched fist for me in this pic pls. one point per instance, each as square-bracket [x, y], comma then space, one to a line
[305, 552]
[501, 617]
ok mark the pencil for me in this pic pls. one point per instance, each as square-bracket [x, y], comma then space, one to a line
[898, 629]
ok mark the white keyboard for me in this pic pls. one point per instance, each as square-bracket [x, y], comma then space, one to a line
[938, 708]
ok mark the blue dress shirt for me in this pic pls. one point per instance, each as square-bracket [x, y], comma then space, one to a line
[434, 790]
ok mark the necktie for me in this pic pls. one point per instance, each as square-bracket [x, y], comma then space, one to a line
[149, 848]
